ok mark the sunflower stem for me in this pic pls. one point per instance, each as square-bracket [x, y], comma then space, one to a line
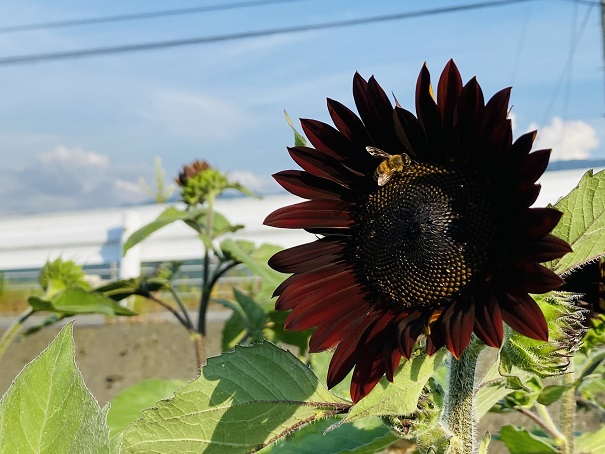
[568, 410]
[459, 413]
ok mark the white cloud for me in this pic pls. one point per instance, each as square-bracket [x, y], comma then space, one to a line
[250, 180]
[74, 157]
[68, 178]
[568, 139]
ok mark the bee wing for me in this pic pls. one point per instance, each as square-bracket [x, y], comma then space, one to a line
[377, 152]
[384, 178]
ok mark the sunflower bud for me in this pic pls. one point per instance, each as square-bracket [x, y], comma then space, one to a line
[198, 180]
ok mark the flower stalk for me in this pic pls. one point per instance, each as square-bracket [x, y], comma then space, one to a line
[459, 412]
[13, 330]
[568, 411]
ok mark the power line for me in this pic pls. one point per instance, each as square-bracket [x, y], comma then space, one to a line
[50, 56]
[139, 16]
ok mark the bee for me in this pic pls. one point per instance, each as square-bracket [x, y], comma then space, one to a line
[391, 164]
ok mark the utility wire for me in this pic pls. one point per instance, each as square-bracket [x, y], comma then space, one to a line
[50, 56]
[139, 16]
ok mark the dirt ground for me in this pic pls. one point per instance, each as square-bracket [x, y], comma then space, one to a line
[115, 356]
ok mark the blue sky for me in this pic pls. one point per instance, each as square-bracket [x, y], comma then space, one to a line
[80, 133]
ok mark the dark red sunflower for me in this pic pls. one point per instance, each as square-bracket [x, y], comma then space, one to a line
[446, 247]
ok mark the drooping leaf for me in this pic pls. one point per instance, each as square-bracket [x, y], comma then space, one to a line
[143, 286]
[583, 222]
[260, 386]
[128, 404]
[593, 442]
[401, 396]
[76, 300]
[166, 217]
[521, 441]
[364, 436]
[49, 409]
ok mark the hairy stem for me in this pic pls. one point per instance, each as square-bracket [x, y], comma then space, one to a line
[568, 410]
[544, 420]
[13, 330]
[459, 412]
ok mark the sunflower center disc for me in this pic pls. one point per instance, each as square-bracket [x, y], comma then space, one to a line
[424, 236]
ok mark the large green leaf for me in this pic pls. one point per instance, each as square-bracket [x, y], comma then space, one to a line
[364, 436]
[128, 405]
[166, 217]
[593, 442]
[520, 441]
[583, 222]
[49, 409]
[242, 401]
[400, 397]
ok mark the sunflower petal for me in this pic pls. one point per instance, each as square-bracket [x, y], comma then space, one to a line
[488, 320]
[457, 324]
[307, 257]
[523, 314]
[307, 186]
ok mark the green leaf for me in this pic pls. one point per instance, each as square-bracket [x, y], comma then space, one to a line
[401, 396]
[247, 321]
[583, 222]
[259, 386]
[254, 313]
[551, 394]
[594, 442]
[320, 364]
[76, 300]
[299, 139]
[365, 436]
[485, 443]
[234, 330]
[276, 333]
[166, 217]
[520, 441]
[256, 261]
[220, 225]
[128, 405]
[142, 286]
[49, 409]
